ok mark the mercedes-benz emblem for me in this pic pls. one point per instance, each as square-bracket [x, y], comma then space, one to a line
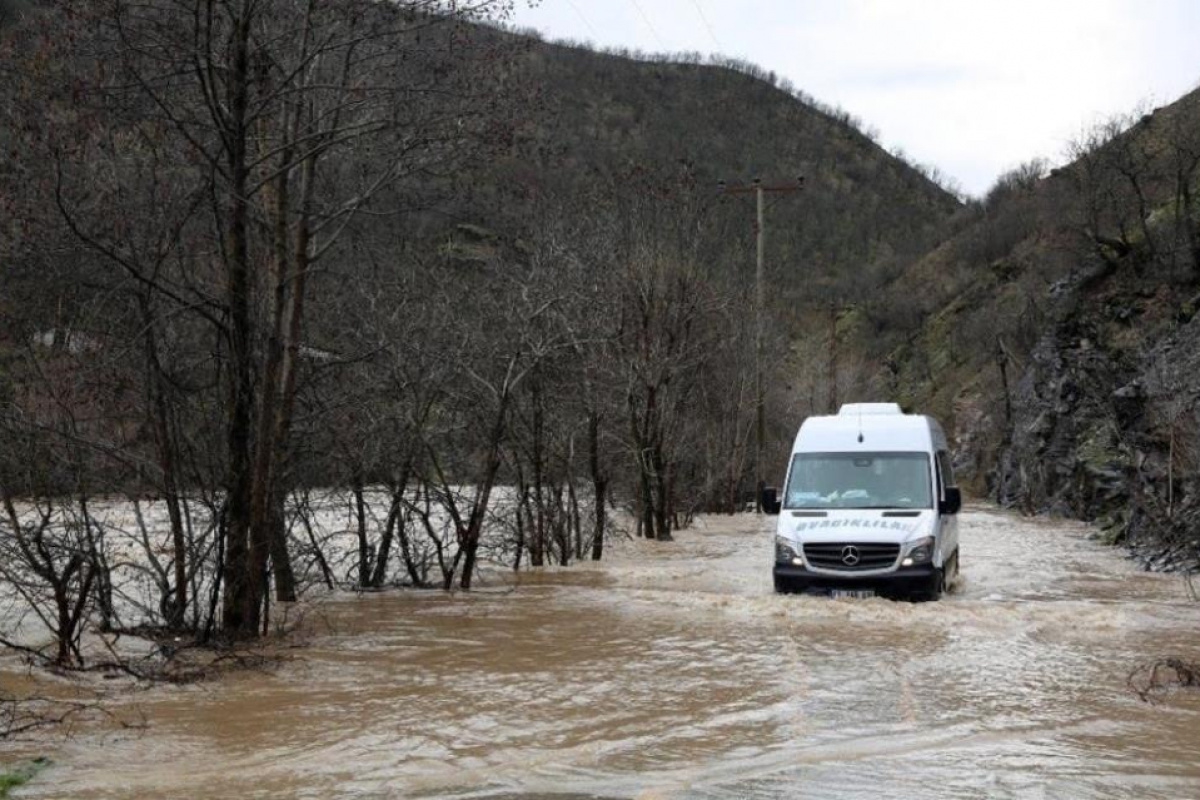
[850, 556]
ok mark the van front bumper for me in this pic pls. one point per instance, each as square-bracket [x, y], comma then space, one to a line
[904, 581]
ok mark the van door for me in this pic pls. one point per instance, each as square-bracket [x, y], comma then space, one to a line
[947, 523]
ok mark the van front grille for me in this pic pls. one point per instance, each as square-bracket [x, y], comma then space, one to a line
[851, 556]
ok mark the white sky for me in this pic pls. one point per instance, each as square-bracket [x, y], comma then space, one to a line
[973, 87]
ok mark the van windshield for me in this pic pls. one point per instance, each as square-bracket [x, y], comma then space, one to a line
[859, 480]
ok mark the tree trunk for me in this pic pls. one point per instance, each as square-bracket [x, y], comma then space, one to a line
[645, 497]
[537, 545]
[599, 485]
[318, 554]
[576, 523]
[832, 377]
[360, 518]
[562, 528]
[395, 521]
[522, 499]
[285, 579]
[416, 573]
[243, 578]
[165, 450]
[663, 502]
[483, 496]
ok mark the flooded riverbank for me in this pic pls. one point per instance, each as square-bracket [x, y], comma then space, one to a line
[674, 671]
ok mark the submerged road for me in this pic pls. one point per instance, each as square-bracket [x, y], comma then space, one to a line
[673, 671]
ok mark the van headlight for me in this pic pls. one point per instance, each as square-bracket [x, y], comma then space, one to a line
[785, 551]
[919, 551]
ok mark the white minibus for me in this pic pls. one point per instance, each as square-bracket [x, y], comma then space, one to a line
[869, 507]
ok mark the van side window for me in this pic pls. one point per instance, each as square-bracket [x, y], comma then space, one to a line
[945, 472]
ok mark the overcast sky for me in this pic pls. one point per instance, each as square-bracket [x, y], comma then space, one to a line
[973, 87]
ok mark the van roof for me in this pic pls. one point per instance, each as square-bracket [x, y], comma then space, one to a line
[880, 428]
[864, 409]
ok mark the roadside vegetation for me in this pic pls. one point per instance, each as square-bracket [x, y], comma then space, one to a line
[20, 775]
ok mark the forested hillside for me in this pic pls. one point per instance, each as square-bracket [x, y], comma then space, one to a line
[1056, 331]
[726, 120]
[482, 282]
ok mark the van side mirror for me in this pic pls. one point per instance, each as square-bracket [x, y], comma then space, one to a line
[953, 502]
[770, 500]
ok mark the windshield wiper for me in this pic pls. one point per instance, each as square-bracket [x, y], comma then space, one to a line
[881, 508]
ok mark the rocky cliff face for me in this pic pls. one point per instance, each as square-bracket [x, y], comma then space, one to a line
[1103, 423]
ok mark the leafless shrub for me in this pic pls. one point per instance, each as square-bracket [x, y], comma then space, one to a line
[25, 715]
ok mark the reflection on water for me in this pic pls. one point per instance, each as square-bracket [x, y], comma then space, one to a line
[673, 671]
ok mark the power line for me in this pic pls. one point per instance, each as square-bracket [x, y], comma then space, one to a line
[707, 24]
[649, 24]
[583, 19]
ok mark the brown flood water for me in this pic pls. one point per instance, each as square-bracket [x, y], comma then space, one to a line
[672, 671]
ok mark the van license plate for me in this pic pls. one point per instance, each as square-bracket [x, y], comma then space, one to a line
[837, 594]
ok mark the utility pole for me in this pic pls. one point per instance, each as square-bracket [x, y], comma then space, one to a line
[760, 425]
[833, 365]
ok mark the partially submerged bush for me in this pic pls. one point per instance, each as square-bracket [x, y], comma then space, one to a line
[20, 775]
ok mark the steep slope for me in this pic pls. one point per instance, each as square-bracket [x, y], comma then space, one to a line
[578, 119]
[598, 114]
[1059, 335]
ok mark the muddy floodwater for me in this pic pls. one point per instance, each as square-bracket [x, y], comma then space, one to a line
[673, 671]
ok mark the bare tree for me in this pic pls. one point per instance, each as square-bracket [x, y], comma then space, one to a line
[269, 127]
